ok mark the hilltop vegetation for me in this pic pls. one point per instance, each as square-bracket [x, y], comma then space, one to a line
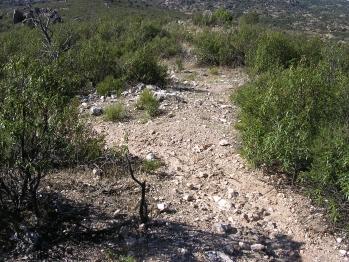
[320, 16]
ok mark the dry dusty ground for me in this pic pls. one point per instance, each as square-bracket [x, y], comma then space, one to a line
[216, 208]
[207, 186]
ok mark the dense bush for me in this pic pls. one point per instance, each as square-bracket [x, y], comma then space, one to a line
[143, 66]
[216, 48]
[296, 120]
[283, 112]
[222, 16]
[310, 49]
[97, 59]
[110, 85]
[165, 47]
[246, 38]
[40, 130]
[127, 50]
[330, 166]
[273, 50]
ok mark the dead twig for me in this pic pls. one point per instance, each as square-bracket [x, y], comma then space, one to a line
[143, 207]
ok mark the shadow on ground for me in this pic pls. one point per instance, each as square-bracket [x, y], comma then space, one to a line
[71, 230]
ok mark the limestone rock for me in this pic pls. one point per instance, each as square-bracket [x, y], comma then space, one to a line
[96, 111]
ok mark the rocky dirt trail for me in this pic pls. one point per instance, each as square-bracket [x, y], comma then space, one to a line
[205, 202]
[213, 206]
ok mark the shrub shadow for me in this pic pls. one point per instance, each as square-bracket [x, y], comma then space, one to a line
[69, 230]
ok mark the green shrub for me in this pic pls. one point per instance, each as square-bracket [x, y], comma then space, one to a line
[220, 17]
[296, 121]
[274, 49]
[246, 37]
[250, 18]
[282, 113]
[115, 112]
[179, 64]
[139, 33]
[148, 31]
[309, 49]
[40, 131]
[180, 32]
[213, 71]
[216, 48]
[97, 59]
[327, 180]
[110, 85]
[144, 67]
[150, 166]
[337, 55]
[203, 19]
[165, 47]
[330, 166]
[148, 102]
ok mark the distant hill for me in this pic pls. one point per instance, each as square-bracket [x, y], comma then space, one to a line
[325, 16]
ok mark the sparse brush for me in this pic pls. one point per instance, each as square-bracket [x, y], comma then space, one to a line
[115, 112]
[179, 64]
[149, 166]
[213, 71]
[148, 102]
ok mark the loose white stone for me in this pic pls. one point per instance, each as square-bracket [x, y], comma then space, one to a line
[224, 204]
[96, 172]
[343, 252]
[188, 197]
[216, 198]
[257, 247]
[224, 142]
[162, 206]
[339, 240]
[150, 157]
[96, 111]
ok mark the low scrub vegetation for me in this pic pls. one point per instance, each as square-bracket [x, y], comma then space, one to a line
[215, 48]
[115, 112]
[110, 85]
[219, 17]
[274, 49]
[294, 114]
[144, 67]
[251, 18]
[40, 130]
[148, 102]
[149, 166]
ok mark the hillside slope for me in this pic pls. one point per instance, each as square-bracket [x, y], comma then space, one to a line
[319, 15]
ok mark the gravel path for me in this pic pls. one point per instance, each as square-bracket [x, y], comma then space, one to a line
[216, 208]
